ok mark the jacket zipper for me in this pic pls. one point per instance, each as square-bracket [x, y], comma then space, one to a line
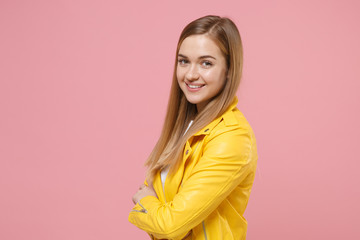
[143, 210]
[203, 225]
[163, 186]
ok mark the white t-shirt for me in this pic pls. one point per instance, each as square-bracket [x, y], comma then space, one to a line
[165, 171]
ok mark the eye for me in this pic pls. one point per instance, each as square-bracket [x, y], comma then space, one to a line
[206, 64]
[183, 61]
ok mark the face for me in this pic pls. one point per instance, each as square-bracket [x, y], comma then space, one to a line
[201, 69]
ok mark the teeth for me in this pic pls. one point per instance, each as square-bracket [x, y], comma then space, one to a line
[195, 86]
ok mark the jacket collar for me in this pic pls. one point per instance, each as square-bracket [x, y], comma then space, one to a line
[227, 116]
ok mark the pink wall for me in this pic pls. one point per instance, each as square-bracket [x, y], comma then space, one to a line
[83, 90]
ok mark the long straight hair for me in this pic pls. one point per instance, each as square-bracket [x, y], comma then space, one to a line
[170, 146]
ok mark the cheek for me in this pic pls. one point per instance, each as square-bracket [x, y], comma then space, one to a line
[215, 77]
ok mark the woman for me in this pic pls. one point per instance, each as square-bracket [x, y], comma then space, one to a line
[202, 168]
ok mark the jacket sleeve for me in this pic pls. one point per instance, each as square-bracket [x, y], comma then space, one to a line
[225, 162]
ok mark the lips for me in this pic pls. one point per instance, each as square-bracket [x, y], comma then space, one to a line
[194, 86]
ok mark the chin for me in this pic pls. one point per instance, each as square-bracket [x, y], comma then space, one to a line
[192, 100]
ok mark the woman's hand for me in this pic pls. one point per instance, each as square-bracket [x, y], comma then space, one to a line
[148, 191]
[143, 192]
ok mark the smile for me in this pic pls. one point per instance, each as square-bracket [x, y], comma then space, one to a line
[191, 86]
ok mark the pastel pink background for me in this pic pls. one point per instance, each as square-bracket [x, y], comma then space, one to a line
[83, 91]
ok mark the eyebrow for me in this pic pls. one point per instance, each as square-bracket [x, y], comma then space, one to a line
[201, 57]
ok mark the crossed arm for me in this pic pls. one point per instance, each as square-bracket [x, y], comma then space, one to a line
[224, 164]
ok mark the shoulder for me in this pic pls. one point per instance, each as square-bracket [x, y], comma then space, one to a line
[232, 122]
[232, 135]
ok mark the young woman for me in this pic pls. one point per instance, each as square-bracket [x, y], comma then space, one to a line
[202, 168]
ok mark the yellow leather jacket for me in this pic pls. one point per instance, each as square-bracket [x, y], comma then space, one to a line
[207, 196]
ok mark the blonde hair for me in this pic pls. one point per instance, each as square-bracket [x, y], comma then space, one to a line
[170, 146]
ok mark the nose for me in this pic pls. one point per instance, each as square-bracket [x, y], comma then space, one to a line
[192, 74]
